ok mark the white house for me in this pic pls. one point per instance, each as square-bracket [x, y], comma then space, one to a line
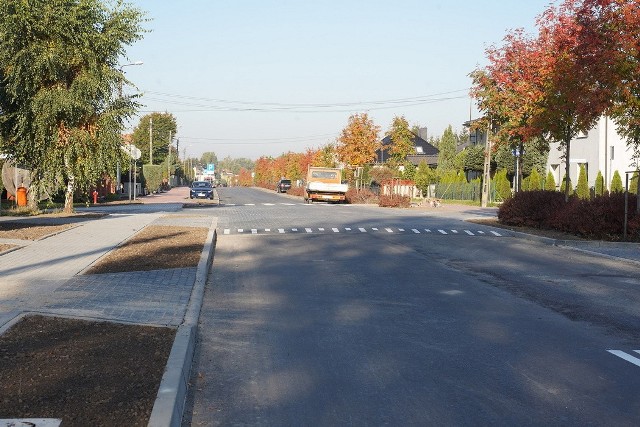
[601, 149]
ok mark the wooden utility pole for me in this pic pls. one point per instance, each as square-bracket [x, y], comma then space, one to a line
[486, 176]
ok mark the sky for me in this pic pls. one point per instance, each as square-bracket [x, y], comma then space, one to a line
[251, 78]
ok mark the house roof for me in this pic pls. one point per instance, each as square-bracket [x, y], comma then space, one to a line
[423, 151]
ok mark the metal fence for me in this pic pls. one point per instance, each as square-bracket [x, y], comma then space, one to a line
[471, 191]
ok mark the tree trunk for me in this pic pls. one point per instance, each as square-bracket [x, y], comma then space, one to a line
[566, 168]
[68, 196]
[638, 192]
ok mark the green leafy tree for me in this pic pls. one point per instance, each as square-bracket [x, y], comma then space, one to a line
[425, 176]
[534, 180]
[582, 189]
[599, 184]
[235, 165]
[616, 183]
[474, 159]
[61, 115]
[503, 187]
[447, 150]
[401, 140]
[550, 182]
[209, 157]
[409, 171]
[163, 127]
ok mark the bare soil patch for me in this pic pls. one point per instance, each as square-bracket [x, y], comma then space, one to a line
[29, 231]
[155, 248]
[85, 373]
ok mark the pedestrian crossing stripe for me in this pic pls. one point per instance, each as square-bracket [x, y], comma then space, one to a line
[387, 230]
[629, 358]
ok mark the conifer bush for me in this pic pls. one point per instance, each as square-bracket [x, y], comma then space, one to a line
[582, 189]
[534, 180]
[599, 184]
[616, 183]
[503, 188]
[550, 182]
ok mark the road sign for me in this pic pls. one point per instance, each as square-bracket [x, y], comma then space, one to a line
[211, 168]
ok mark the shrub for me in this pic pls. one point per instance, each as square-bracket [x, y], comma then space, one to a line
[550, 183]
[531, 208]
[534, 180]
[503, 188]
[296, 191]
[394, 201]
[362, 196]
[582, 190]
[633, 183]
[616, 183]
[599, 218]
[599, 184]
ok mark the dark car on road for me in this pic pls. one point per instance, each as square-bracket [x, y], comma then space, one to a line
[283, 185]
[201, 190]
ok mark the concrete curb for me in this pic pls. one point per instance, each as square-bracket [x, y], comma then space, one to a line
[577, 245]
[169, 405]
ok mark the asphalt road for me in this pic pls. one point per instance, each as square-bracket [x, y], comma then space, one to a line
[347, 315]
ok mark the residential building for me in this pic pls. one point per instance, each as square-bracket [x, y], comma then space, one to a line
[600, 149]
[424, 152]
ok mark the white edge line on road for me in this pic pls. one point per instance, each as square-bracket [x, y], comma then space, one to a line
[442, 232]
[308, 230]
[388, 230]
[335, 230]
[281, 230]
[254, 231]
[625, 356]
[470, 233]
[240, 230]
[415, 230]
[495, 233]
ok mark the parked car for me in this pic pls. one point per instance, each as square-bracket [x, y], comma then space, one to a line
[201, 190]
[283, 185]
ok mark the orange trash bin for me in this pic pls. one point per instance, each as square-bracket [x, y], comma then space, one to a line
[22, 196]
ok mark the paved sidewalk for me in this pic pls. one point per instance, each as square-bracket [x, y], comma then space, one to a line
[44, 276]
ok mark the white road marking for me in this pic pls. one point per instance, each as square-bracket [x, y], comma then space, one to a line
[480, 232]
[249, 204]
[469, 233]
[625, 356]
[230, 204]
[495, 233]
[267, 230]
[362, 230]
[269, 204]
[427, 230]
[388, 230]
[348, 229]
[308, 230]
[254, 231]
[289, 204]
[227, 231]
[294, 229]
[442, 232]
[281, 230]
[320, 229]
[240, 230]
[374, 229]
[454, 231]
[335, 230]
[415, 230]
[401, 229]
